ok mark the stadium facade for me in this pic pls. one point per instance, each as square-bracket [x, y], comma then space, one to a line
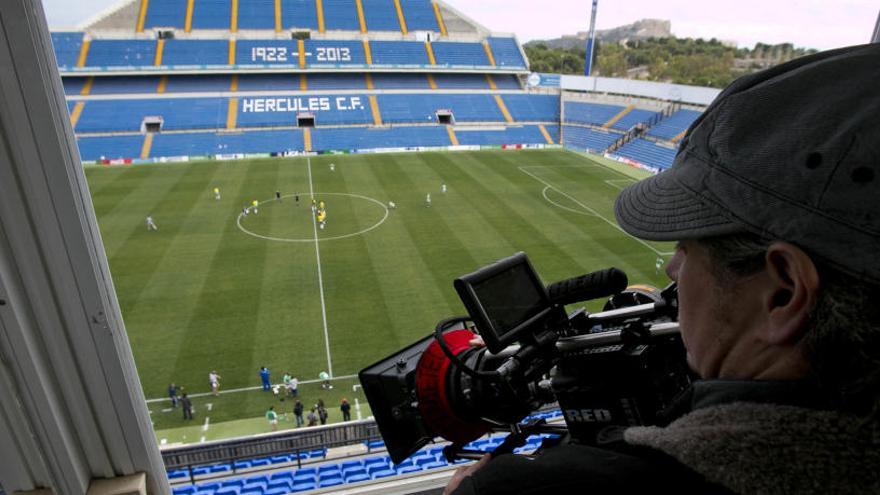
[176, 80]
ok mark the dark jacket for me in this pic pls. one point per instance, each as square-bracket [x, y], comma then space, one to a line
[720, 437]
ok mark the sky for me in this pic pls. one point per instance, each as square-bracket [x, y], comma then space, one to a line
[820, 24]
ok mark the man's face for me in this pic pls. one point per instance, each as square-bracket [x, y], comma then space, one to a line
[714, 320]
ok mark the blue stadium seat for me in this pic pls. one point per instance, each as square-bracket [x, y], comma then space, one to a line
[279, 459]
[331, 53]
[305, 471]
[419, 15]
[281, 476]
[402, 53]
[184, 490]
[632, 118]
[324, 483]
[590, 113]
[256, 14]
[201, 470]
[380, 15]
[195, 52]
[245, 464]
[219, 468]
[372, 461]
[67, 46]
[212, 14]
[177, 473]
[460, 54]
[341, 14]
[588, 139]
[299, 14]
[506, 52]
[303, 486]
[461, 81]
[228, 490]
[400, 81]
[332, 468]
[165, 13]
[380, 471]
[232, 483]
[355, 474]
[135, 53]
[648, 153]
[534, 108]
[350, 464]
[110, 148]
[673, 125]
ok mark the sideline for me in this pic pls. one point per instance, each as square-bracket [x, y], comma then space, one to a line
[248, 389]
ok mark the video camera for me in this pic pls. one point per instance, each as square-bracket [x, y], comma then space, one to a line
[621, 366]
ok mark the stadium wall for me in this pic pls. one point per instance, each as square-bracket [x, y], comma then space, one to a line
[695, 95]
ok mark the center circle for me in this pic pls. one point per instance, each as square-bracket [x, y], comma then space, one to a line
[284, 219]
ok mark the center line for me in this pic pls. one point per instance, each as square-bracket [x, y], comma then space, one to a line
[320, 276]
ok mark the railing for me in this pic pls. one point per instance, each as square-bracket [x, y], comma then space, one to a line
[289, 442]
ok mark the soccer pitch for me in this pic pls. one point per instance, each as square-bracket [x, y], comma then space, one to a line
[212, 289]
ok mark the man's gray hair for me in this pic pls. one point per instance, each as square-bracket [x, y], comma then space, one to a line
[842, 342]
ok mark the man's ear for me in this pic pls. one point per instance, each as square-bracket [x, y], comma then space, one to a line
[793, 289]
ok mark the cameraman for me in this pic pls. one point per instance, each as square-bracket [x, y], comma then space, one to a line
[774, 199]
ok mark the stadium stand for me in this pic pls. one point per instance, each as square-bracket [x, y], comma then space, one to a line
[632, 118]
[590, 113]
[165, 13]
[588, 139]
[673, 125]
[195, 52]
[299, 14]
[533, 108]
[256, 14]
[506, 52]
[399, 53]
[212, 14]
[218, 93]
[419, 15]
[67, 48]
[400, 81]
[124, 85]
[199, 83]
[648, 152]
[423, 108]
[380, 15]
[460, 54]
[341, 15]
[105, 53]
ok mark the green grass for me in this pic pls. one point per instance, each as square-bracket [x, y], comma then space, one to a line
[200, 294]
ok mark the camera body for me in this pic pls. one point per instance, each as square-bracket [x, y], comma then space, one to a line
[621, 366]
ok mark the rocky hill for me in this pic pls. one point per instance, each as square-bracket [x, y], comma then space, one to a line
[639, 30]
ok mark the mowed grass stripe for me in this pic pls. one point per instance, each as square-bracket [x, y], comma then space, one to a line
[512, 213]
[144, 249]
[461, 213]
[378, 282]
[166, 303]
[583, 236]
[588, 186]
[439, 249]
[289, 327]
[219, 335]
[123, 213]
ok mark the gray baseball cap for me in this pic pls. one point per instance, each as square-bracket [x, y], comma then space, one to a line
[789, 153]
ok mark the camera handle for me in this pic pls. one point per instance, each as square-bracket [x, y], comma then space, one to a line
[519, 434]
